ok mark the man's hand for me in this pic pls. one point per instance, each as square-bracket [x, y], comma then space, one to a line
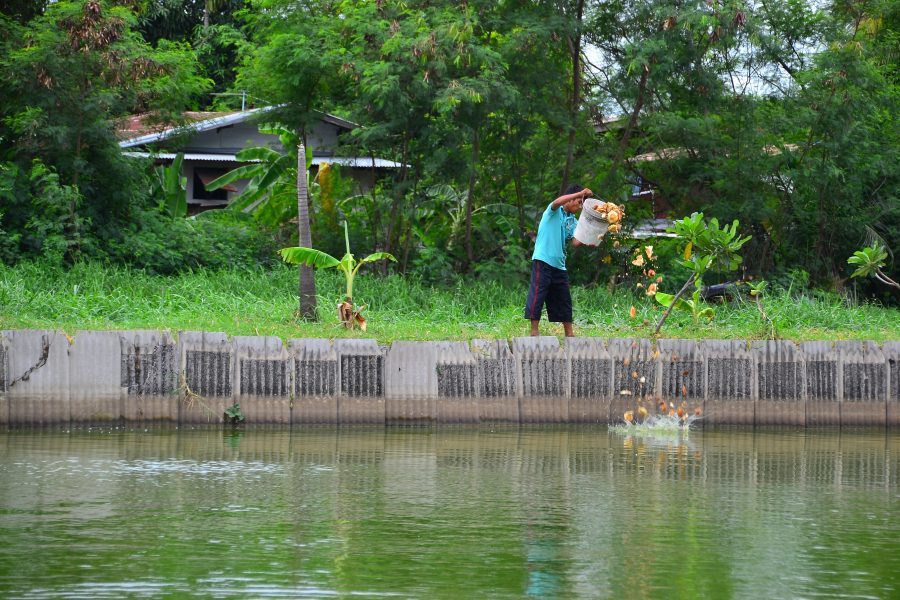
[586, 193]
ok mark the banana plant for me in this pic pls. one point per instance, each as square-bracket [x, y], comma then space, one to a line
[271, 192]
[349, 313]
[169, 188]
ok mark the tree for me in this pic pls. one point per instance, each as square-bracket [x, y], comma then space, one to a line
[278, 190]
[294, 66]
[67, 75]
[456, 91]
[870, 263]
[708, 248]
[774, 113]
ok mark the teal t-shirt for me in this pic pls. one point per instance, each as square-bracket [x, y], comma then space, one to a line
[557, 227]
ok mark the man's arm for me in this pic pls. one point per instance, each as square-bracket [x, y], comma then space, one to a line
[585, 193]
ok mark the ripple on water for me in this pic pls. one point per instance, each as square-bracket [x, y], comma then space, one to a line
[558, 512]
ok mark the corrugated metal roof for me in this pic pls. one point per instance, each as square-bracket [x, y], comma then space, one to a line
[189, 156]
[220, 121]
[650, 228]
[204, 125]
[360, 162]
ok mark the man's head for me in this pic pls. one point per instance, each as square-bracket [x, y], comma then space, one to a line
[574, 206]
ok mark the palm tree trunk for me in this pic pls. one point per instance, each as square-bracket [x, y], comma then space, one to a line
[307, 276]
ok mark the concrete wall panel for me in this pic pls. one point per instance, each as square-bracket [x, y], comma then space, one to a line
[411, 387]
[497, 381]
[457, 383]
[148, 376]
[864, 383]
[891, 351]
[362, 381]
[591, 378]
[544, 379]
[107, 377]
[730, 382]
[209, 374]
[264, 379]
[4, 382]
[781, 394]
[682, 371]
[315, 381]
[37, 388]
[823, 402]
[635, 375]
[95, 378]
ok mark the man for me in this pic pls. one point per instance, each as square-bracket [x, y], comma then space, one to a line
[549, 280]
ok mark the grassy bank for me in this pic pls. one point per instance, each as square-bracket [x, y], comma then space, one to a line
[263, 302]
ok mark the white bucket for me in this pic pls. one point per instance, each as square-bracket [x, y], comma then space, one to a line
[591, 224]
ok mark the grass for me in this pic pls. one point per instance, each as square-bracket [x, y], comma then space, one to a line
[263, 302]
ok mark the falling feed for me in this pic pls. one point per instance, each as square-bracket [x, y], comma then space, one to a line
[668, 417]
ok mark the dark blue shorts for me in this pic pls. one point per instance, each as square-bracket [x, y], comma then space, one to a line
[551, 286]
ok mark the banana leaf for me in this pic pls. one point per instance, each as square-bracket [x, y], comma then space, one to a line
[298, 255]
[378, 256]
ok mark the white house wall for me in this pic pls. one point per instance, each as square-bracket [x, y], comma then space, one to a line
[233, 138]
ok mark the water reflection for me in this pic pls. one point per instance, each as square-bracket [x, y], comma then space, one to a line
[545, 512]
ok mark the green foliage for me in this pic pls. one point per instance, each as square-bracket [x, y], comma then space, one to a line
[709, 247]
[779, 115]
[214, 239]
[67, 75]
[45, 217]
[233, 414]
[758, 288]
[56, 219]
[693, 305]
[869, 263]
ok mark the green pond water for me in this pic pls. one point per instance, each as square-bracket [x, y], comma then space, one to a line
[449, 513]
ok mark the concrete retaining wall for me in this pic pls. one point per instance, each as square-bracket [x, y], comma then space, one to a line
[112, 377]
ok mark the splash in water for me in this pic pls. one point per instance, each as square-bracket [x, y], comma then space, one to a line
[667, 419]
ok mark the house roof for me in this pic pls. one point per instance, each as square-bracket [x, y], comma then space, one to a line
[669, 153]
[347, 161]
[138, 130]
